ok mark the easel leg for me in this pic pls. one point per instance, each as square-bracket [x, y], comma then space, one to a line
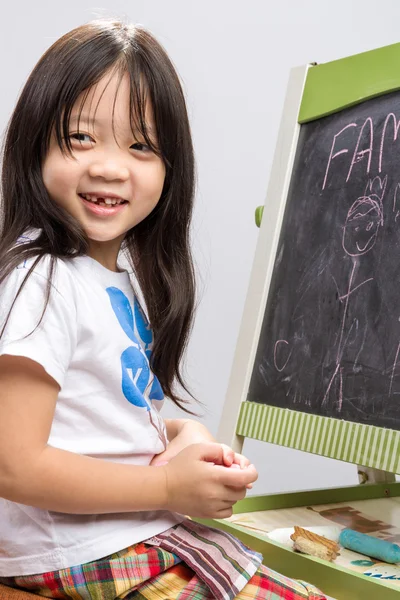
[369, 475]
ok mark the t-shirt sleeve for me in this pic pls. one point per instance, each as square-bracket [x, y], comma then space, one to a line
[49, 341]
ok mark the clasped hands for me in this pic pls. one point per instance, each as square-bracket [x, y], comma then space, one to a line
[203, 478]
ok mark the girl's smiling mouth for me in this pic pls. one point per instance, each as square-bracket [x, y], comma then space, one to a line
[103, 205]
[103, 198]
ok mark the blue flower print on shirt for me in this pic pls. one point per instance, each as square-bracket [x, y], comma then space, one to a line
[123, 311]
[135, 368]
[142, 325]
[146, 335]
[156, 392]
[135, 376]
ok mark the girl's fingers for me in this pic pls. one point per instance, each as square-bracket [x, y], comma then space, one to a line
[236, 495]
[241, 460]
[228, 455]
[233, 458]
[224, 513]
[237, 477]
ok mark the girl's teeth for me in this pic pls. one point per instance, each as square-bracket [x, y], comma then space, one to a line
[102, 201]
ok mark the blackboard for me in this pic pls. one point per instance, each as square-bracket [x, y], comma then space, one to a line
[330, 339]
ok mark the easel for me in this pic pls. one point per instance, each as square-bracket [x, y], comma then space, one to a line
[313, 91]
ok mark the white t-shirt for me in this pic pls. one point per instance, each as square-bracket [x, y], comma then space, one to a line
[94, 340]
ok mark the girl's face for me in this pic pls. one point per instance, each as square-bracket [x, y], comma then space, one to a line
[113, 180]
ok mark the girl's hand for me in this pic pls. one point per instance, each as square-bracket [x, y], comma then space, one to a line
[235, 460]
[198, 483]
[192, 432]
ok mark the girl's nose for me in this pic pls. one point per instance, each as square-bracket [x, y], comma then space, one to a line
[108, 169]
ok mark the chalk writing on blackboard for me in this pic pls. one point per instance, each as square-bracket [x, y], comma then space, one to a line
[364, 144]
[360, 231]
[330, 338]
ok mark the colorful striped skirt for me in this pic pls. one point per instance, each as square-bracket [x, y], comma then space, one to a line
[187, 562]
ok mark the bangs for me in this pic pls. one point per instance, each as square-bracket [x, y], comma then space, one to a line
[139, 107]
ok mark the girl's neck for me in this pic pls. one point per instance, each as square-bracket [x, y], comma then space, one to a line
[106, 253]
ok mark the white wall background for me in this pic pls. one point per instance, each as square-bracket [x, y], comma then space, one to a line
[234, 58]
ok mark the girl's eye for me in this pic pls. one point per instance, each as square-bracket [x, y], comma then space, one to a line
[81, 137]
[141, 147]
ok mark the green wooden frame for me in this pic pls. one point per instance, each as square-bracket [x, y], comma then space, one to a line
[335, 580]
[335, 85]
[356, 443]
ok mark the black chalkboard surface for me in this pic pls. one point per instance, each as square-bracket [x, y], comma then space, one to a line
[330, 338]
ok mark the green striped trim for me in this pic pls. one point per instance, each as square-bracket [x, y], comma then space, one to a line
[351, 442]
[336, 85]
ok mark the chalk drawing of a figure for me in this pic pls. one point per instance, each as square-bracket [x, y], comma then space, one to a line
[360, 233]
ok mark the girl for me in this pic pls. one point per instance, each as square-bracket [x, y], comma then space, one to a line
[98, 171]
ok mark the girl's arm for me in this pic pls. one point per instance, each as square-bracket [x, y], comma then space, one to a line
[182, 433]
[176, 426]
[36, 474]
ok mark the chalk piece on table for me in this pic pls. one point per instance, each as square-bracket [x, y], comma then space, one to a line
[313, 544]
[282, 534]
[370, 546]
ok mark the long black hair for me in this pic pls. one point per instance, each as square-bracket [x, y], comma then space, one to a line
[158, 248]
